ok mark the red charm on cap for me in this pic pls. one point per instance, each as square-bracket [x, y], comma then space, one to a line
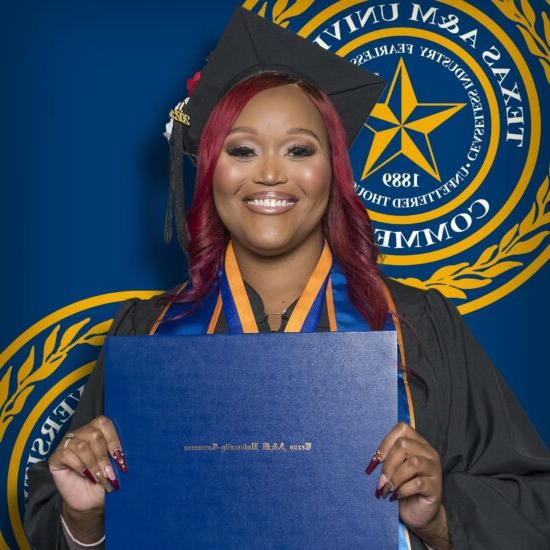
[192, 82]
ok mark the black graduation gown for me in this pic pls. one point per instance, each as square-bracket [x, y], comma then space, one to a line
[496, 469]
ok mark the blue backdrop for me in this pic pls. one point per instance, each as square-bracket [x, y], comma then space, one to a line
[85, 94]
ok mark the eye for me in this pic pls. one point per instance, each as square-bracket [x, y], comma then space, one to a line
[241, 151]
[300, 151]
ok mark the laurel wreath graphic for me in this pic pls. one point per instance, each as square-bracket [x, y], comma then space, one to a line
[526, 19]
[54, 353]
[453, 281]
[282, 12]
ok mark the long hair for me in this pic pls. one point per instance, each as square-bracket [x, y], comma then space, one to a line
[346, 224]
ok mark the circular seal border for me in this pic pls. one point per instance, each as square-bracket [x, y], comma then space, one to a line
[530, 162]
[493, 109]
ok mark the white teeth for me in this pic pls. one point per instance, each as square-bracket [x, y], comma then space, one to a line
[270, 203]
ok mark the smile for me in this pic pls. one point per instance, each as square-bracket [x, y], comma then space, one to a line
[270, 203]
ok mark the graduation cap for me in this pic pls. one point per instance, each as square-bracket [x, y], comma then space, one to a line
[249, 45]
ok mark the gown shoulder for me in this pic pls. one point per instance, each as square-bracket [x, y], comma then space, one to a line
[136, 316]
[496, 468]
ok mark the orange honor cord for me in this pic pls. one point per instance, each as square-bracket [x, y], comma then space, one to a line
[215, 316]
[314, 285]
[330, 308]
[238, 291]
[401, 343]
[164, 310]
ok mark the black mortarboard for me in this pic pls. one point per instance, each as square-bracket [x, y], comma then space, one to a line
[251, 44]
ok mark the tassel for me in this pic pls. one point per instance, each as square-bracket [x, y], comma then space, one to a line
[176, 192]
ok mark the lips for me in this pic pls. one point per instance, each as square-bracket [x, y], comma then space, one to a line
[270, 202]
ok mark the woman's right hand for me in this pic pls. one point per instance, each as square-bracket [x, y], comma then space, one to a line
[81, 468]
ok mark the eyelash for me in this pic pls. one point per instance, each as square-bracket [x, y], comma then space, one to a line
[304, 151]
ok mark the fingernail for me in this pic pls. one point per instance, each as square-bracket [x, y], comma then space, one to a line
[89, 475]
[380, 487]
[100, 477]
[118, 455]
[111, 478]
[394, 496]
[114, 484]
[375, 460]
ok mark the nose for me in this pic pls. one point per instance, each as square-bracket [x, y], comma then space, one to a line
[270, 170]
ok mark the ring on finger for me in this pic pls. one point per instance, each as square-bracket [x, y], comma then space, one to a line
[100, 476]
[68, 437]
[58, 467]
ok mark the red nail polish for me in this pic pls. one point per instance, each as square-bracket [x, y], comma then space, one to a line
[379, 491]
[89, 475]
[376, 459]
[372, 464]
[114, 484]
[118, 455]
[394, 496]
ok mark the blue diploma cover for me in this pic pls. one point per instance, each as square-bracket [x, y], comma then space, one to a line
[251, 441]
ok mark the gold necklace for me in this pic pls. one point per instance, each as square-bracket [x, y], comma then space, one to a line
[273, 313]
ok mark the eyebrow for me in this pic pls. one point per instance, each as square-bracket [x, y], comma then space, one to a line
[250, 130]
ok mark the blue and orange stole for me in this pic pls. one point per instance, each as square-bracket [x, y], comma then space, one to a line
[327, 284]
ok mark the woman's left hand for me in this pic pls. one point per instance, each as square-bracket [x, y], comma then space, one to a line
[411, 472]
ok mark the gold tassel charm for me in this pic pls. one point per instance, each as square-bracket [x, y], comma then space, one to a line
[179, 115]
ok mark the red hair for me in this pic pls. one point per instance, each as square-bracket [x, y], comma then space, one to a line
[346, 224]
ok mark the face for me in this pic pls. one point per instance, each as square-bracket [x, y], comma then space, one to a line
[272, 180]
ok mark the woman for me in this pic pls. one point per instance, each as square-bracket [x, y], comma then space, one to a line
[274, 207]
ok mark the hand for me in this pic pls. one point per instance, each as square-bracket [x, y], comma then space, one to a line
[81, 468]
[411, 472]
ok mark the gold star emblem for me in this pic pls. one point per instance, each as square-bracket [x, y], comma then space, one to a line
[402, 126]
